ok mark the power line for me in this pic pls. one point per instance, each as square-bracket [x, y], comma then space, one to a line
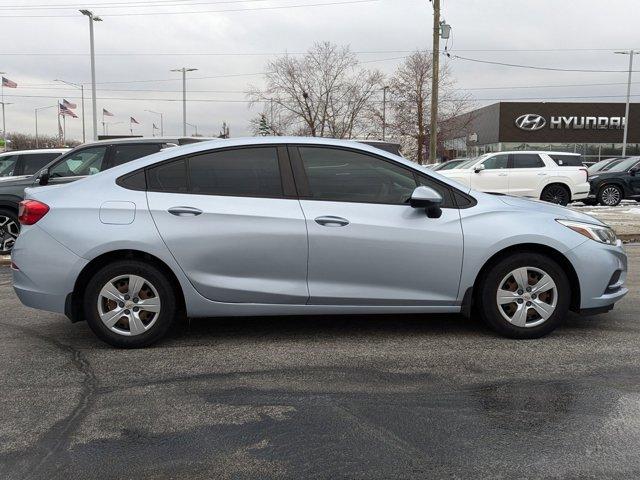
[136, 4]
[129, 14]
[533, 67]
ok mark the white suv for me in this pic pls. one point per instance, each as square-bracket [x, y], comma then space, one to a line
[556, 177]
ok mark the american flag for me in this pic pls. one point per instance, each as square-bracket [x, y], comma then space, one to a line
[64, 110]
[107, 113]
[8, 83]
[133, 120]
[68, 104]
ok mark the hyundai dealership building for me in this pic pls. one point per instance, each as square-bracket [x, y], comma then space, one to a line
[593, 129]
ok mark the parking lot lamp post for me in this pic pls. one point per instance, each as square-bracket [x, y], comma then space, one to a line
[93, 18]
[161, 121]
[195, 127]
[81, 87]
[626, 109]
[36, 112]
[184, 71]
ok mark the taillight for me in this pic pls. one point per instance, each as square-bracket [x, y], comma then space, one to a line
[31, 211]
[586, 173]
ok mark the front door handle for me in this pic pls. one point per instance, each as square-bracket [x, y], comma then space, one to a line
[185, 211]
[331, 221]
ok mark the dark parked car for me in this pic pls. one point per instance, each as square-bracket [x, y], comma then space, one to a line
[622, 180]
[84, 160]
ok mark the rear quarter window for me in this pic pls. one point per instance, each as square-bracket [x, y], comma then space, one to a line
[568, 160]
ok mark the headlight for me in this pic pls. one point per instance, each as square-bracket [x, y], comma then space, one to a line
[599, 233]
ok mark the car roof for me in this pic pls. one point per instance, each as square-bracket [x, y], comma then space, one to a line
[34, 151]
[548, 152]
[177, 138]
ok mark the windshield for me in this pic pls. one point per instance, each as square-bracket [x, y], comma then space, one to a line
[451, 164]
[472, 161]
[622, 165]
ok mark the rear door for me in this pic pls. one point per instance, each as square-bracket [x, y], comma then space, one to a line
[527, 173]
[34, 162]
[232, 220]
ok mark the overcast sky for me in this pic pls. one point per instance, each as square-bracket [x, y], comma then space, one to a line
[134, 45]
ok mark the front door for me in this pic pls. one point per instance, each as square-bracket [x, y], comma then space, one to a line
[494, 177]
[367, 246]
[78, 164]
[235, 231]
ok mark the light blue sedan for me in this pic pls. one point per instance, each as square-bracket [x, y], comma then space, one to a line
[290, 226]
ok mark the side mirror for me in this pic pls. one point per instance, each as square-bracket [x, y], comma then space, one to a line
[429, 199]
[479, 168]
[43, 178]
[634, 171]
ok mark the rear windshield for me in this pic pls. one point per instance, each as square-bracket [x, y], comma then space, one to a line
[568, 160]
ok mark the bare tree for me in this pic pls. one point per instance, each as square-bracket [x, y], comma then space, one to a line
[23, 141]
[322, 94]
[410, 92]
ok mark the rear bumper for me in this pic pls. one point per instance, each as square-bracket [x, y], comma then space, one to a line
[580, 191]
[46, 270]
[602, 270]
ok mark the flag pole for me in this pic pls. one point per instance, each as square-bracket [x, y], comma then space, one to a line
[59, 126]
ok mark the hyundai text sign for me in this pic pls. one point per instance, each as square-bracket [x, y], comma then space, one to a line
[532, 121]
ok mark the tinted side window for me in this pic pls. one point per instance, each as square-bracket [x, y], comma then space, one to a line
[33, 163]
[568, 160]
[346, 176]
[251, 172]
[168, 177]
[126, 153]
[496, 162]
[8, 165]
[527, 160]
[87, 161]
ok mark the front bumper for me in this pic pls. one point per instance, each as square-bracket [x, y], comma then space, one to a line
[602, 271]
[46, 270]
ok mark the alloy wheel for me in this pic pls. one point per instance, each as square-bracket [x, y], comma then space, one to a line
[610, 196]
[527, 297]
[129, 305]
[9, 230]
[555, 194]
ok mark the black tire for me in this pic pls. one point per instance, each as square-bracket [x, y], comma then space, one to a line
[488, 290]
[589, 201]
[610, 195]
[150, 273]
[556, 193]
[9, 228]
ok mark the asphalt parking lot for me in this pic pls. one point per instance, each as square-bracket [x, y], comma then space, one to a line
[380, 397]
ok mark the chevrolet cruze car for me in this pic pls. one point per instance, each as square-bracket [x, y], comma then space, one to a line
[284, 226]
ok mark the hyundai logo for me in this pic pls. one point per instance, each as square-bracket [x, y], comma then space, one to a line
[530, 122]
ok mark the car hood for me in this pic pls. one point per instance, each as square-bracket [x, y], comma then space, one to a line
[607, 175]
[16, 182]
[544, 207]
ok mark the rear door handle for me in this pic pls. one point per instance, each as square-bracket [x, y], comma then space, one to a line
[185, 211]
[331, 221]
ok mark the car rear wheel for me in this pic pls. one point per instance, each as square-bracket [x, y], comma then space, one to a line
[9, 230]
[610, 195]
[526, 295]
[556, 193]
[130, 304]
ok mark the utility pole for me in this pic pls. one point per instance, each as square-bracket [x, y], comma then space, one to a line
[93, 18]
[184, 71]
[626, 109]
[433, 127]
[384, 112]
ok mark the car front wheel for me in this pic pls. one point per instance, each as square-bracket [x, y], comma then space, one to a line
[130, 304]
[525, 295]
[9, 230]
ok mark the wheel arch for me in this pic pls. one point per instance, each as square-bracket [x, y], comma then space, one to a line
[559, 183]
[73, 306]
[551, 252]
[616, 183]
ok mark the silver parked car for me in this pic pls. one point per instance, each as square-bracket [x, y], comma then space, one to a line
[280, 226]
